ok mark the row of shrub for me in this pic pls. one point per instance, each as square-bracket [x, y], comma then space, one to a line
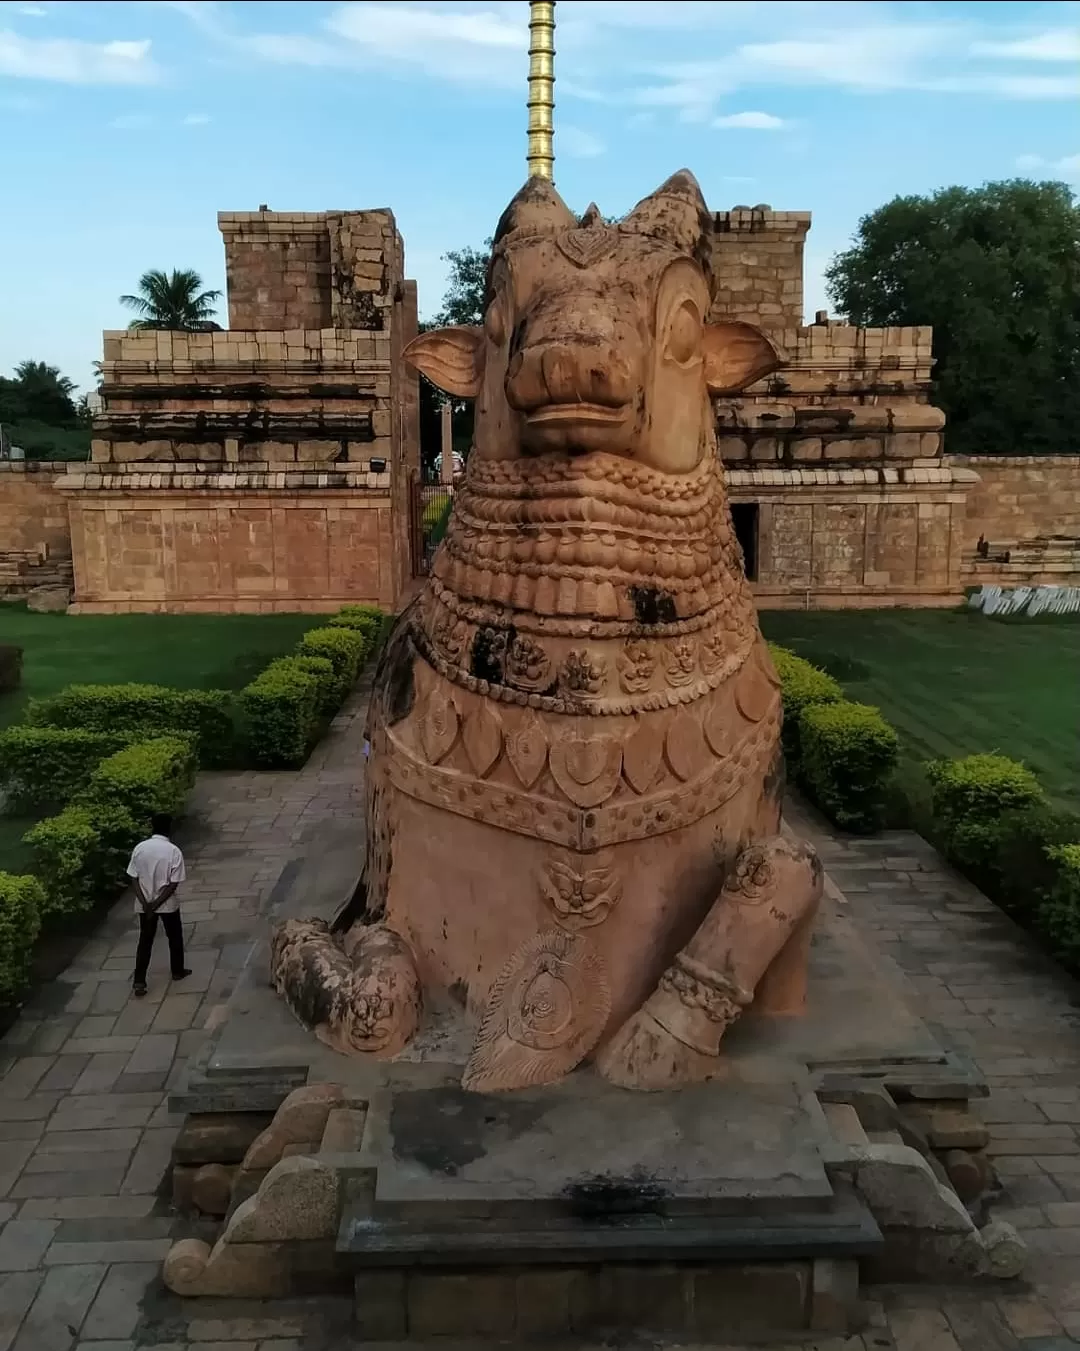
[840, 753]
[993, 821]
[105, 758]
[273, 721]
[79, 854]
[987, 814]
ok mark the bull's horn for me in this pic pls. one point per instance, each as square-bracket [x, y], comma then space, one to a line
[536, 209]
[676, 212]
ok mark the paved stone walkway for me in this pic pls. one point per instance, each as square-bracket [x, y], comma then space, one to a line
[85, 1135]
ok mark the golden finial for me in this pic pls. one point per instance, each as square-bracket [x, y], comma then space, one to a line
[541, 156]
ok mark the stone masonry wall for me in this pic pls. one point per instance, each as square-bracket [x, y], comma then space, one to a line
[855, 537]
[276, 396]
[1028, 506]
[33, 514]
[192, 539]
[758, 264]
[266, 466]
[844, 395]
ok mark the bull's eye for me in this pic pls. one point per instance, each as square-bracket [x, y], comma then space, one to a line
[494, 325]
[684, 335]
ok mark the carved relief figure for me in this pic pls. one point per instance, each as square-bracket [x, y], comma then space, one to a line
[574, 731]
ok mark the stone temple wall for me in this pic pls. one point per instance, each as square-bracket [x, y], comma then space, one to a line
[1029, 508]
[266, 466]
[758, 263]
[838, 456]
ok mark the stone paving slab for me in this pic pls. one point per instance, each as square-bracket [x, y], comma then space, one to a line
[84, 1074]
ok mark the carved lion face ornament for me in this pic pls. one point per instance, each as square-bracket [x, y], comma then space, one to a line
[595, 338]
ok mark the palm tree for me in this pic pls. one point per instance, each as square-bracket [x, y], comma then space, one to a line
[172, 300]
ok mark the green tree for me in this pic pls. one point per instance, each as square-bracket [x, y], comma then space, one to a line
[996, 271]
[172, 300]
[463, 302]
[38, 413]
[38, 393]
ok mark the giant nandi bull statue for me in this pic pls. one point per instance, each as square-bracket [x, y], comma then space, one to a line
[575, 771]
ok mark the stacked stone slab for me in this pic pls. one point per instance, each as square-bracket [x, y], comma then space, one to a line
[267, 466]
[840, 450]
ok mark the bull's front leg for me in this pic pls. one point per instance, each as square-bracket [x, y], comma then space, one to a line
[359, 994]
[753, 946]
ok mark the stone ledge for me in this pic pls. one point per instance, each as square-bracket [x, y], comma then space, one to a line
[212, 479]
[827, 478]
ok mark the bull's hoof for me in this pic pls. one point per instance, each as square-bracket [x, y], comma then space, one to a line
[643, 1055]
[359, 996]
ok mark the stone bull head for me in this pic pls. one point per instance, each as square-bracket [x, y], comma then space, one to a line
[595, 337]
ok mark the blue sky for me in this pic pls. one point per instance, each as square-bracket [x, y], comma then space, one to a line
[125, 127]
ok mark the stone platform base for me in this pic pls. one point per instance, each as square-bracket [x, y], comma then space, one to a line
[833, 1144]
[728, 1301]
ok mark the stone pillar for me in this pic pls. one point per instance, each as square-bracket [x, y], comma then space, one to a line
[446, 427]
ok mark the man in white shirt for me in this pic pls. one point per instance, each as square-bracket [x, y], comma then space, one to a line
[156, 870]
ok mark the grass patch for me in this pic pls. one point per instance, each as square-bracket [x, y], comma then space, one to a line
[954, 683]
[185, 651]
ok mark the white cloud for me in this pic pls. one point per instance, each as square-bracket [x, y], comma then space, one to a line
[577, 144]
[195, 120]
[629, 54]
[1056, 44]
[749, 122]
[32, 12]
[469, 45]
[1067, 167]
[70, 61]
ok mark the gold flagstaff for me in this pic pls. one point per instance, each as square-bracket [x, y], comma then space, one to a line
[541, 155]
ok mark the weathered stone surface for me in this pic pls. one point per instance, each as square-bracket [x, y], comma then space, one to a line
[947, 1127]
[298, 1199]
[223, 1137]
[301, 1119]
[247, 1270]
[48, 600]
[1005, 1251]
[902, 1192]
[969, 1174]
[834, 1297]
[211, 1188]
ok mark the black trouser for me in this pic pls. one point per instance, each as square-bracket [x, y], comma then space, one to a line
[174, 932]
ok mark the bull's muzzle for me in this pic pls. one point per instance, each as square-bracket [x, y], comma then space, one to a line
[574, 397]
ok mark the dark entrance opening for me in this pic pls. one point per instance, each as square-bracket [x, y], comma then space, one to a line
[744, 518]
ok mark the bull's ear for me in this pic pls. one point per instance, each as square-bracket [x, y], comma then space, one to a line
[451, 358]
[736, 355]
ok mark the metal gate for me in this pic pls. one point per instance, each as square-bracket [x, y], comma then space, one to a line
[430, 508]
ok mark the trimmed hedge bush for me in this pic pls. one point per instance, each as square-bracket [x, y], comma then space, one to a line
[148, 710]
[322, 668]
[801, 684]
[11, 659]
[971, 795]
[280, 712]
[81, 855]
[144, 778]
[344, 647]
[847, 755]
[366, 619]
[21, 902]
[1058, 913]
[44, 767]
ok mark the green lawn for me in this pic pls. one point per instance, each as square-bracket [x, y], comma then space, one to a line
[187, 651]
[954, 683]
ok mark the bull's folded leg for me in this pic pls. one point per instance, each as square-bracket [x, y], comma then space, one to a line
[360, 994]
[756, 937]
